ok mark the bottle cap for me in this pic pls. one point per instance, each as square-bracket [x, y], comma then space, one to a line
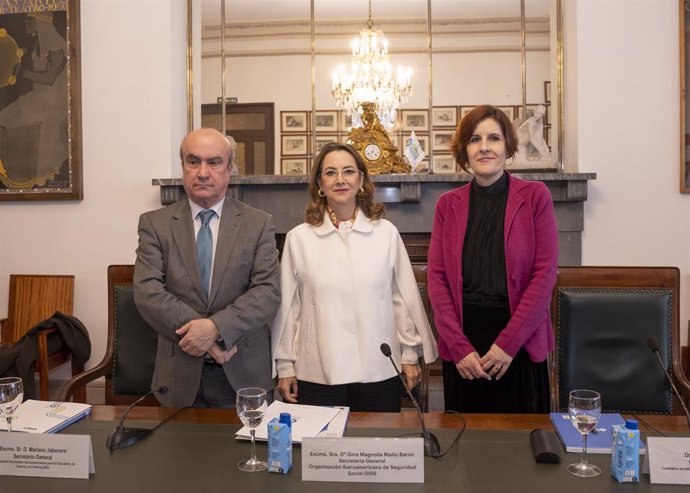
[631, 424]
[285, 418]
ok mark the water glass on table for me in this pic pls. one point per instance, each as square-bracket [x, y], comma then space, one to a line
[584, 408]
[251, 407]
[11, 396]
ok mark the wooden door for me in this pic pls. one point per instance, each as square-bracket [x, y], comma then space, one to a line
[251, 125]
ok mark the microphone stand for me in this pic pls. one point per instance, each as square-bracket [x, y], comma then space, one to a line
[654, 346]
[431, 446]
[122, 437]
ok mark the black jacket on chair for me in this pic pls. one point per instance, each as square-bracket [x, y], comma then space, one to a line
[19, 358]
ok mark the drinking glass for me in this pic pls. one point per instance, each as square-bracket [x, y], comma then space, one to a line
[584, 407]
[11, 395]
[251, 406]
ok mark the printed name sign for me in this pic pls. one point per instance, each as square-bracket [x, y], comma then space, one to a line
[669, 460]
[46, 456]
[372, 460]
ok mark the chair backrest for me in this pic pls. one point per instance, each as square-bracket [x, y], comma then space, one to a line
[422, 396]
[131, 341]
[603, 318]
[130, 354]
[34, 298]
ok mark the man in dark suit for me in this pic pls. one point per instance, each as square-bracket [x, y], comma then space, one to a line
[206, 279]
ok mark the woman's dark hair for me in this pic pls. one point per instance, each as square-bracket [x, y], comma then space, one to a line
[469, 123]
[316, 208]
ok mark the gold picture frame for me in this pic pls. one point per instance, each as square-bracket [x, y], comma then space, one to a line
[40, 127]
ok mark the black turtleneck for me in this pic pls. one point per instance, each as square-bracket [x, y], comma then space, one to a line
[483, 253]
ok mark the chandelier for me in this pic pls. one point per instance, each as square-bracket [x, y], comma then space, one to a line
[371, 78]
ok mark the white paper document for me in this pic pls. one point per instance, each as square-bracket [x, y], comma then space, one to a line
[46, 416]
[307, 421]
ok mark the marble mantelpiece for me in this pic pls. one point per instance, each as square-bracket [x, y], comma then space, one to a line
[409, 199]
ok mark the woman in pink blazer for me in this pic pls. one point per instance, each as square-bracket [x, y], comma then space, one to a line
[492, 267]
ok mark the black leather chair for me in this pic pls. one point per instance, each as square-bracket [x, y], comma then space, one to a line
[131, 351]
[603, 318]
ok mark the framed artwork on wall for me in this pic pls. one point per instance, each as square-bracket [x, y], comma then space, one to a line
[294, 166]
[464, 110]
[294, 145]
[415, 120]
[294, 121]
[684, 6]
[326, 121]
[444, 116]
[40, 122]
[444, 163]
[547, 91]
[321, 140]
[442, 140]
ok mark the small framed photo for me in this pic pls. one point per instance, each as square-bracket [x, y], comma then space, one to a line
[415, 120]
[326, 121]
[295, 145]
[444, 116]
[294, 121]
[444, 163]
[442, 140]
[464, 110]
[509, 111]
[322, 139]
[547, 91]
[344, 121]
[294, 166]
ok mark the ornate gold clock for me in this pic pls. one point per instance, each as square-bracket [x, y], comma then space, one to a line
[373, 144]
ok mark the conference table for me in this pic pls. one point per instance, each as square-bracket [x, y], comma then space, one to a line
[196, 451]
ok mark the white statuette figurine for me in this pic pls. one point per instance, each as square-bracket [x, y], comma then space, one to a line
[531, 143]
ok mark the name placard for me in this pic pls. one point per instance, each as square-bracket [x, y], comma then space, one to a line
[365, 460]
[47, 456]
[669, 460]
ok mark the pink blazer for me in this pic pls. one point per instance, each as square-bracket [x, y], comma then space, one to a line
[531, 249]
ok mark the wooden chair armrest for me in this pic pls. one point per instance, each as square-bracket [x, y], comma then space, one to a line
[69, 388]
[683, 384]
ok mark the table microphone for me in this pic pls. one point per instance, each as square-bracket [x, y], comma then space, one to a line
[654, 346]
[431, 445]
[122, 437]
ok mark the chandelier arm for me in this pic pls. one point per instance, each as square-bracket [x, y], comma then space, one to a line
[371, 78]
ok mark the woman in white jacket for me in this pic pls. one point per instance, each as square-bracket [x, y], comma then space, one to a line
[347, 287]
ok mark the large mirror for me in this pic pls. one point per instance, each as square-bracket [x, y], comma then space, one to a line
[279, 57]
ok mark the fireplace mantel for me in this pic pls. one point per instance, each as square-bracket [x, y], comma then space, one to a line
[409, 199]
